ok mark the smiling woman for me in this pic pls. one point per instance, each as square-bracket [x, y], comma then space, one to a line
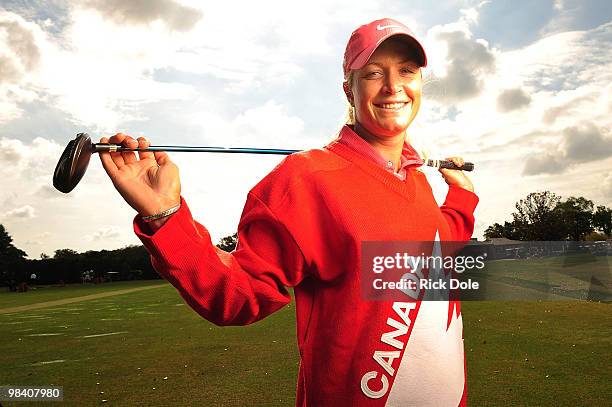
[391, 82]
[384, 91]
[386, 95]
[303, 226]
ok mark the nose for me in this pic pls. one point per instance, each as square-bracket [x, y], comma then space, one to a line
[393, 84]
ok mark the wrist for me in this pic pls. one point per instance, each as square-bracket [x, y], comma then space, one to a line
[155, 225]
[156, 220]
[156, 206]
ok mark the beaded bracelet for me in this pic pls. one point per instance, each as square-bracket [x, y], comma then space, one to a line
[163, 214]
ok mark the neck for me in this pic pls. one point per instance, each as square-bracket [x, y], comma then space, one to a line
[390, 148]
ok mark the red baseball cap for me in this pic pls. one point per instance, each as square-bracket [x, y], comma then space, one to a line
[368, 37]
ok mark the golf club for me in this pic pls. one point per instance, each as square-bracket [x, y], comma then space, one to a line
[74, 160]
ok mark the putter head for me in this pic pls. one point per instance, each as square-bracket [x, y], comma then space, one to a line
[73, 163]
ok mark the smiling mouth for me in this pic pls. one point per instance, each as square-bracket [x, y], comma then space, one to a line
[392, 106]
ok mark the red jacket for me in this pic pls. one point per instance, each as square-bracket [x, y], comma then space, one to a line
[302, 227]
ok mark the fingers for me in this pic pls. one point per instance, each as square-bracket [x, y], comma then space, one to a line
[107, 162]
[144, 143]
[124, 157]
[128, 156]
[117, 157]
[457, 177]
[458, 161]
[118, 138]
[160, 156]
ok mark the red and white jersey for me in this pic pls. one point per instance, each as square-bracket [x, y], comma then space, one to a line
[303, 226]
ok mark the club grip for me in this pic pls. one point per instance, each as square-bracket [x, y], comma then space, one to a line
[450, 165]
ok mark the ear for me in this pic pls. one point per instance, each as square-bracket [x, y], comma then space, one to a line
[348, 92]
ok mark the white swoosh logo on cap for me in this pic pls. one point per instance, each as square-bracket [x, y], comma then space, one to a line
[383, 27]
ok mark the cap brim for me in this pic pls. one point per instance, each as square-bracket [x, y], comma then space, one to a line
[363, 58]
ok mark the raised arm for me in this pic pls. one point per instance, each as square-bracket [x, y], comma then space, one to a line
[235, 288]
[227, 289]
[458, 208]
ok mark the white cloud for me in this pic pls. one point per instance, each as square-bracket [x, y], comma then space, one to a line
[11, 151]
[459, 64]
[19, 61]
[28, 160]
[512, 99]
[544, 164]
[469, 15]
[563, 128]
[107, 233]
[586, 142]
[174, 15]
[579, 144]
[529, 69]
[102, 75]
[101, 72]
[24, 212]
[19, 53]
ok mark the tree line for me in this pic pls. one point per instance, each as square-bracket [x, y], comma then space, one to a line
[545, 216]
[68, 266]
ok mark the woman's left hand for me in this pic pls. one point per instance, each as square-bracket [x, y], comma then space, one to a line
[457, 177]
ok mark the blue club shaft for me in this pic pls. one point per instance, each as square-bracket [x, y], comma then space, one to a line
[187, 149]
[98, 147]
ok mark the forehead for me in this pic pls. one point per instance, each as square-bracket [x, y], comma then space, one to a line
[397, 48]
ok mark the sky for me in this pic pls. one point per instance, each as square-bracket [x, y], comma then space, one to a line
[522, 89]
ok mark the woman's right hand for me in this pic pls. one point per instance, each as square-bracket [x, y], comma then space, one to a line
[150, 183]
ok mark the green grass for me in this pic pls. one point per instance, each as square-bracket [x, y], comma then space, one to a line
[257, 365]
[54, 292]
[576, 276]
[538, 353]
[160, 337]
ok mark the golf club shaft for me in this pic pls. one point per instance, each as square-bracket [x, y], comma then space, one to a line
[190, 149]
[101, 147]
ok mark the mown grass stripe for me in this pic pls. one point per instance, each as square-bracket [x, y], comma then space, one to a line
[76, 299]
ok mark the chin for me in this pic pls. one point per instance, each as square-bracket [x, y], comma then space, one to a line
[385, 126]
[392, 129]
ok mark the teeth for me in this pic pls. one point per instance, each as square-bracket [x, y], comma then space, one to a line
[392, 105]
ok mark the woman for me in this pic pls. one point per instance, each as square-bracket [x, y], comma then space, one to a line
[302, 227]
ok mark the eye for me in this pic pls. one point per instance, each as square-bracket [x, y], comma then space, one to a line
[407, 70]
[373, 75]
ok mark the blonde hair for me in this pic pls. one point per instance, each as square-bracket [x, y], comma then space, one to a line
[349, 117]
